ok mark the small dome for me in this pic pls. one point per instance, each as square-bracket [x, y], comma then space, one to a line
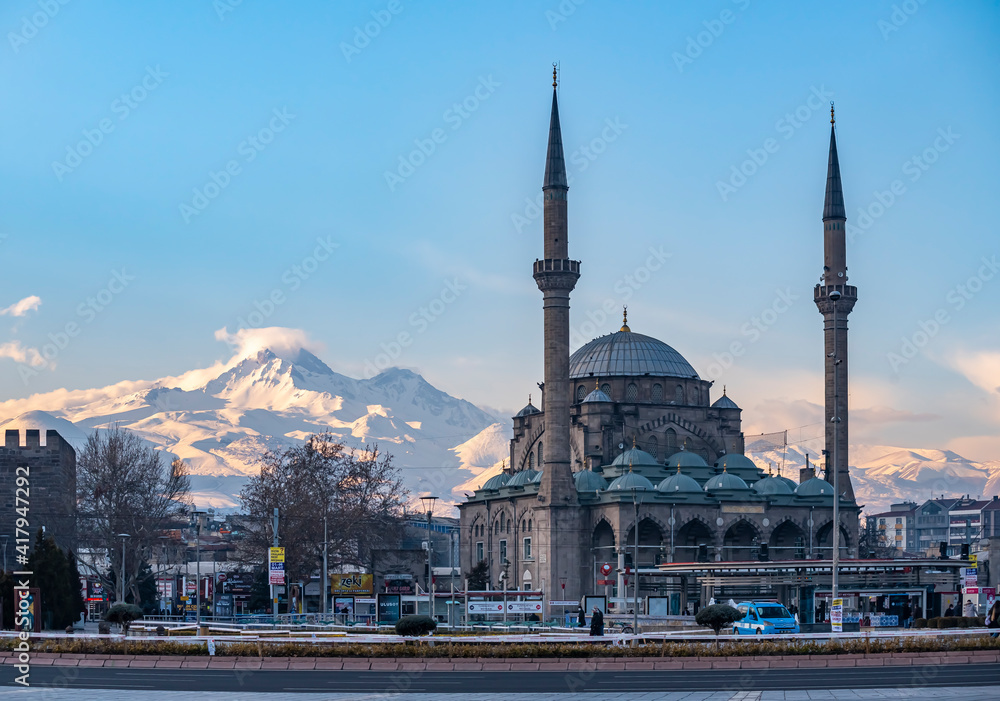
[815, 487]
[735, 461]
[725, 481]
[791, 484]
[496, 481]
[635, 457]
[528, 410]
[679, 483]
[596, 396]
[521, 478]
[537, 478]
[724, 402]
[589, 481]
[630, 481]
[772, 486]
[686, 459]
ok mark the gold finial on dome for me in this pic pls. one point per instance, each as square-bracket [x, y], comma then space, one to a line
[633, 441]
[555, 80]
[597, 384]
[723, 390]
[625, 318]
[832, 120]
[529, 398]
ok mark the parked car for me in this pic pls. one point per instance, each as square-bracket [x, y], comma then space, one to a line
[764, 618]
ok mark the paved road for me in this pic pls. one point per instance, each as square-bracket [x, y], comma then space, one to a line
[607, 683]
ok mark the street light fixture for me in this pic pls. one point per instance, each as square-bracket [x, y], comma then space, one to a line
[197, 548]
[636, 500]
[428, 502]
[121, 579]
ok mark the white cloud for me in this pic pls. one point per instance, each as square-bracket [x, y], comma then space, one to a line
[21, 354]
[28, 304]
[981, 368]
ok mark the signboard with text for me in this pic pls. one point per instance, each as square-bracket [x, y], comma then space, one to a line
[276, 560]
[485, 607]
[350, 584]
[524, 607]
[388, 608]
[837, 616]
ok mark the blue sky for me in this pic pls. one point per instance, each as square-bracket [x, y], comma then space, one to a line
[311, 106]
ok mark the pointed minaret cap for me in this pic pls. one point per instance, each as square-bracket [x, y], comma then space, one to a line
[555, 162]
[833, 207]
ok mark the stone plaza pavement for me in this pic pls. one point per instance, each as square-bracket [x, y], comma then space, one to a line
[979, 693]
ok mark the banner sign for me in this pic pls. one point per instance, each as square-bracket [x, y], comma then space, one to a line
[485, 607]
[560, 602]
[351, 583]
[524, 607]
[388, 608]
[276, 554]
[837, 616]
[276, 558]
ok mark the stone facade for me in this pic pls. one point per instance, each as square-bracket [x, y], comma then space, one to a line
[50, 470]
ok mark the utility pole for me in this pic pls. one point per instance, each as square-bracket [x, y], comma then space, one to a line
[429, 505]
[326, 578]
[274, 529]
[121, 584]
[197, 547]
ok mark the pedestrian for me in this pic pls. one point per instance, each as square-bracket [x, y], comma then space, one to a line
[970, 609]
[993, 619]
[597, 622]
[949, 611]
[581, 621]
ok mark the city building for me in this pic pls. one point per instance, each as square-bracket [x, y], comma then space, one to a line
[895, 528]
[629, 461]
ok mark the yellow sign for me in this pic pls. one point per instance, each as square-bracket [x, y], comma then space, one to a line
[351, 583]
[277, 554]
[973, 558]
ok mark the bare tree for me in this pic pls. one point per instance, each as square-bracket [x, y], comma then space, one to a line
[123, 486]
[360, 493]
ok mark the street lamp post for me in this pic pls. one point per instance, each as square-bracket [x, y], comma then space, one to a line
[835, 564]
[121, 579]
[5, 552]
[636, 499]
[429, 507]
[197, 565]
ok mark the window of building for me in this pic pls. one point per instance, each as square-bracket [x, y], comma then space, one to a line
[606, 388]
[527, 548]
[480, 552]
[631, 392]
[529, 525]
[653, 447]
[503, 551]
[581, 392]
[508, 526]
[898, 520]
[679, 394]
[657, 393]
[531, 461]
[671, 442]
[540, 459]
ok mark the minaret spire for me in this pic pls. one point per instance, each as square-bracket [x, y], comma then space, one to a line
[833, 208]
[555, 162]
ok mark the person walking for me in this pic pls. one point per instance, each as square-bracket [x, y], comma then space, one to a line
[993, 619]
[597, 622]
[581, 621]
[970, 609]
[948, 612]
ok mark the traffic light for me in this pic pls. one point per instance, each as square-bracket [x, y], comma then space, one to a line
[965, 551]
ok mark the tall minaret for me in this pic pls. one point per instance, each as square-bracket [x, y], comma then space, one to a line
[835, 311]
[556, 276]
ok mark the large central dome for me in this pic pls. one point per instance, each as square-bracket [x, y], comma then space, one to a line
[627, 354]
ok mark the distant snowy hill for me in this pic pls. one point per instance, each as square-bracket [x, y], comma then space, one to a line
[221, 421]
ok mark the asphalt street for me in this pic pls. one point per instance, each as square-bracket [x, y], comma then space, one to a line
[456, 682]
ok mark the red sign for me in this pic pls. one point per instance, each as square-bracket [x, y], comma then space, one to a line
[605, 569]
[605, 581]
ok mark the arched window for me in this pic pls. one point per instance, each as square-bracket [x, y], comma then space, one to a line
[531, 461]
[671, 442]
[508, 527]
[657, 394]
[524, 526]
[679, 394]
[540, 462]
[606, 388]
[631, 392]
[529, 525]
[653, 447]
[694, 396]
[581, 392]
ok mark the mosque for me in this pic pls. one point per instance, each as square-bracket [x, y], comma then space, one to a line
[628, 437]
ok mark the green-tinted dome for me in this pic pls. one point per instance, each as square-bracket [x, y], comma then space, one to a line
[630, 481]
[596, 396]
[791, 484]
[528, 410]
[538, 478]
[772, 486]
[496, 481]
[635, 457]
[589, 481]
[725, 481]
[735, 461]
[686, 459]
[815, 487]
[522, 478]
[679, 483]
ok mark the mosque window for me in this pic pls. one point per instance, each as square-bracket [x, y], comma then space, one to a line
[671, 441]
[480, 555]
[531, 461]
[657, 394]
[679, 394]
[631, 392]
[581, 392]
[653, 447]
[529, 525]
[508, 526]
[606, 388]
[539, 455]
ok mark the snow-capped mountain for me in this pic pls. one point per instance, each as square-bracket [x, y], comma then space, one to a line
[221, 421]
[884, 475]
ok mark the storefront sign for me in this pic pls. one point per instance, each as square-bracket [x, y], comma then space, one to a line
[388, 608]
[524, 607]
[485, 607]
[351, 583]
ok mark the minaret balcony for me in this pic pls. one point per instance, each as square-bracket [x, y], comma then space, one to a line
[556, 274]
[558, 265]
[822, 292]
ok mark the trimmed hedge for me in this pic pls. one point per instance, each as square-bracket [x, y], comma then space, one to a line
[415, 626]
[920, 623]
